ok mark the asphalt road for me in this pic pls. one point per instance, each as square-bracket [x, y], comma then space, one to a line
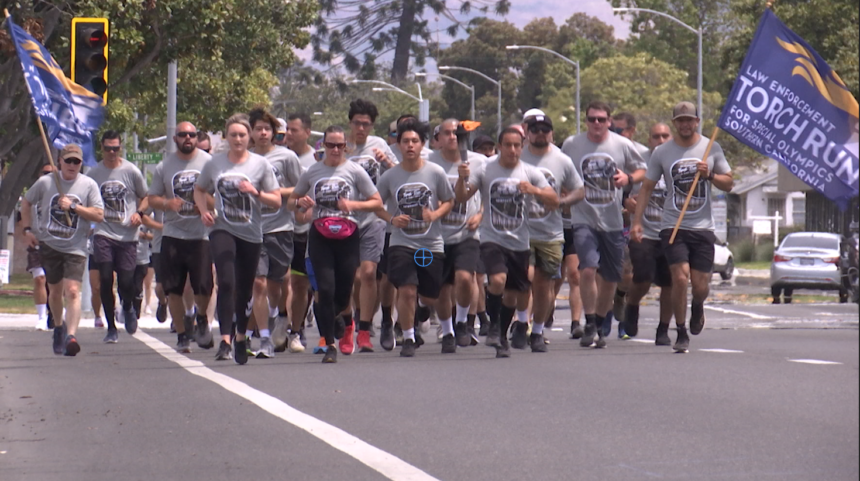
[766, 392]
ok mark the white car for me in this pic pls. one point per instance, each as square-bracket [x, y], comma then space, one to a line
[724, 263]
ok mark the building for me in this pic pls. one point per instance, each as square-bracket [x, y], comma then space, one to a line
[757, 193]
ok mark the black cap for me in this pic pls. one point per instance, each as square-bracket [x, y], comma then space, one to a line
[533, 120]
[481, 141]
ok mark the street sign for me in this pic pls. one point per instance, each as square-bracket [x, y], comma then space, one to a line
[761, 227]
[5, 255]
[145, 157]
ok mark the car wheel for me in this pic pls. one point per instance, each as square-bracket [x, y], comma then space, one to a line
[843, 296]
[729, 270]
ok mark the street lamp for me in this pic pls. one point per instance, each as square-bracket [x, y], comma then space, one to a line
[423, 105]
[575, 63]
[498, 84]
[469, 87]
[697, 31]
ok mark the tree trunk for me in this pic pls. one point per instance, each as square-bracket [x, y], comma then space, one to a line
[404, 41]
[22, 173]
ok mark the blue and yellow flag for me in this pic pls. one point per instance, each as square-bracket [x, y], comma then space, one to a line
[70, 112]
[788, 104]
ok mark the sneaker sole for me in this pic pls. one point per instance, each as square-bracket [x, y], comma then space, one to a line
[680, 351]
[72, 349]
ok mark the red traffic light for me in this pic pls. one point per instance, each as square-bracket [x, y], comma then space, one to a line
[95, 38]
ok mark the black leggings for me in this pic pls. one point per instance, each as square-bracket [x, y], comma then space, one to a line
[139, 274]
[236, 265]
[334, 263]
[124, 287]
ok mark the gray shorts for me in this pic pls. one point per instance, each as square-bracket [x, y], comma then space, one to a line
[603, 250]
[276, 254]
[372, 241]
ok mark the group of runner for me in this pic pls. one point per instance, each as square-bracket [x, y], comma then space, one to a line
[368, 224]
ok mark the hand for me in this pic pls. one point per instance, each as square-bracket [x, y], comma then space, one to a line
[134, 220]
[702, 167]
[621, 179]
[381, 157]
[246, 187]
[527, 188]
[463, 171]
[630, 204]
[173, 204]
[636, 232]
[400, 221]
[428, 215]
[305, 202]
[472, 223]
[208, 219]
[31, 239]
[345, 205]
[65, 203]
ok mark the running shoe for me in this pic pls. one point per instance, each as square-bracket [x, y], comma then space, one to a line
[600, 343]
[98, 323]
[130, 321]
[280, 336]
[321, 347]
[461, 333]
[398, 334]
[183, 344]
[330, 356]
[59, 339]
[203, 335]
[309, 319]
[339, 327]
[606, 327]
[519, 337]
[484, 328]
[267, 348]
[494, 336]
[618, 307]
[111, 337]
[697, 320]
[72, 347]
[622, 331]
[631, 320]
[576, 330]
[225, 352]
[161, 313]
[449, 344]
[408, 349]
[473, 338]
[588, 334]
[295, 344]
[419, 339]
[682, 344]
[347, 341]
[241, 352]
[537, 343]
[386, 336]
[503, 350]
[302, 338]
[662, 338]
[364, 344]
[188, 322]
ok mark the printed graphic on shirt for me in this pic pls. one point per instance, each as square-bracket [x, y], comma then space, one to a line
[598, 169]
[183, 188]
[58, 225]
[507, 205]
[683, 173]
[235, 205]
[369, 164]
[654, 209]
[536, 207]
[411, 201]
[265, 210]
[326, 194]
[113, 195]
[457, 216]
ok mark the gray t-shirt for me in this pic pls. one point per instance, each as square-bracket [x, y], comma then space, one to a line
[56, 231]
[547, 225]
[238, 212]
[175, 178]
[454, 228]
[143, 248]
[285, 166]
[652, 218]
[677, 165]
[364, 156]
[306, 160]
[326, 185]
[120, 189]
[409, 193]
[157, 234]
[504, 222]
[643, 150]
[596, 164]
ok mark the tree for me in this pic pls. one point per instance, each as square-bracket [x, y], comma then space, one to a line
[224, 53]
[362, 31]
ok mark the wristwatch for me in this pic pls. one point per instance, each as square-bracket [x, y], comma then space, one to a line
[27, 229]
[73, 208]
[711, 176]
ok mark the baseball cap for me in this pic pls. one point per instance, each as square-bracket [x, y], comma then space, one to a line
[538, 119]
[392, 127]
[684, 109]
[71, 151]
[481, 141]
[531, 113]
[282, 129]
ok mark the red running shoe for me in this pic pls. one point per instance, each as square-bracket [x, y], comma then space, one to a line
[347, 342]
[364, 344]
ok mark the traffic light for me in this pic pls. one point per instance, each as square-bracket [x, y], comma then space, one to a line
[90, 54]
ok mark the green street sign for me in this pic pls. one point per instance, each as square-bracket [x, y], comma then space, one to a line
[145, 157]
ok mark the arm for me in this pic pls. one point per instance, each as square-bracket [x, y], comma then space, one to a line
[26, 221]
[202, 205]
[148, 221]
[92, 214]
[372, 204]
[573, 197]
[441, 211]
[642, 200]
[724, 182]
[463, 189]
[547, 197]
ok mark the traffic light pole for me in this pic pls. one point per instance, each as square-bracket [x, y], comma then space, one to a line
[171, 106]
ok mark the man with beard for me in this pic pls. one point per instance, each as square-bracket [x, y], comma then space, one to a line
[184, 241]
[546, 235]
[123, 191]
[607, 162]
[417, 194]
[460, 234]
[691, 255]
[63, 227]
[504, 184]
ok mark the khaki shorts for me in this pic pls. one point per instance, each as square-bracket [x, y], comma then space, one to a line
[59, 265]
[547, 257]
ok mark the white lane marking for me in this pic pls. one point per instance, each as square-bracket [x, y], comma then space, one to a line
[557, 329]
[731, 351]
[646, 341]
[739, 313]
[815, 361]
[386, 464]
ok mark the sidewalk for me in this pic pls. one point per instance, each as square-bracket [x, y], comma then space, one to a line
[28, 322]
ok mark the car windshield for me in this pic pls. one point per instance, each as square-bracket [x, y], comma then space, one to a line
[810, 242]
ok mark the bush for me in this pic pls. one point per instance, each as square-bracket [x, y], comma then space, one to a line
[764, 252]
[743, 251]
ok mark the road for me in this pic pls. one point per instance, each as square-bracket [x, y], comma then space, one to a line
[766, 392]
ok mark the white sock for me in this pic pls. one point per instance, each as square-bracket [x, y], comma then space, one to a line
[265, 333]
[523, 316]
[421, 303]
[249, 334]
[409, 333]
[447, 326]
[462, 313]
[273, 311]
[537, 328]
[42, 311]
[190, 312]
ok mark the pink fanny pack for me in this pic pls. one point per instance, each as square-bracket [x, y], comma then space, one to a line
[335, 227]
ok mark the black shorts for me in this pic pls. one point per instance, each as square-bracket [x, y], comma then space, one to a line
[92, 265]
[59, 265]
[515, 264]
[123, 255]
[405, 271]
[480, 268]
[569, 246]
[276, 255]
[156, 265]
[300, 248]
[181, 259]
[695, 247]
[601, 250]
[34, 259]
[649, 263]
[461, 257]
[382, 267]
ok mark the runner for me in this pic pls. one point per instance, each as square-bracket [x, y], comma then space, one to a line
[34, 267]
[123, 191]
[486, 146]
[691, 256]
[336, 187]
[504, 184]
[242, 182]
[417, 193]
[63, 223]
[155, 246]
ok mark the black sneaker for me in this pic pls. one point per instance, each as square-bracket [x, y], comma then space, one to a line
[600, 343]
[330, 356]
[161, 313]
[631, 320]
[339, 327]
[518, 337]
[682, 344]
[183, 344]
[419, 341]
[697, 319]
[588, 334]
[494, 337]
[473, 338]
[537, 343]
[386, 336]
[203, 333]
[461, 331]
[59, 339]
[225, 352]
[188, 322]
[503, 350]
[484, 329]
[241, 352]
[130, 321]
[576, 330]
[449, 345]
[408, 349]
[72, 347]
[111, 337]
[662, 338]
[421, 314]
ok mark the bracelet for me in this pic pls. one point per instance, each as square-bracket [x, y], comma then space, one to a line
[711, 176]
[296, 204]
[27, 229]
[141, 213]
[629, 179]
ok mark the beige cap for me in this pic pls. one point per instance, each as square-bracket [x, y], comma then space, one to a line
[71, 151]
[684, 109]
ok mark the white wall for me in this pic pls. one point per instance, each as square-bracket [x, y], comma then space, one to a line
[756, 205]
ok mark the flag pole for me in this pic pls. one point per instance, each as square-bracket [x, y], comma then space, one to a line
[693, 187]
[44, 137]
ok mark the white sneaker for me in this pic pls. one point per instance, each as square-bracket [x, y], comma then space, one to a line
[279, 333]
[98, 323]
[424, 327]
[41, 325]
[439, 334]
[296, 343]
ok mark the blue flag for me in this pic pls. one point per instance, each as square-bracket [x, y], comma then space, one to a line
[70, 112]
[789, 105]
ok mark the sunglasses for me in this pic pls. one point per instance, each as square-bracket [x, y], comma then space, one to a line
[540, 129]
[205, 150]
[72, 160]
[46, 172]
[333, 145]
[182, 135]
[392, 134]
[660, 136]
[597, 120]
[365, 125]
[280, 136]
[617, 130]
[111, 149]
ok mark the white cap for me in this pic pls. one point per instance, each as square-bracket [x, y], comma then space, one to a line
[283, 125]
[532, 112]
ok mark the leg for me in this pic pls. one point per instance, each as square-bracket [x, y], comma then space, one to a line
[223, 246]
[407, 296]
[588, 289]
[96, 291]
[147, 287]
[55, 299]
[106, 286]
[605, 294]
[680, 280]
[71, 290]
[247, 256]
